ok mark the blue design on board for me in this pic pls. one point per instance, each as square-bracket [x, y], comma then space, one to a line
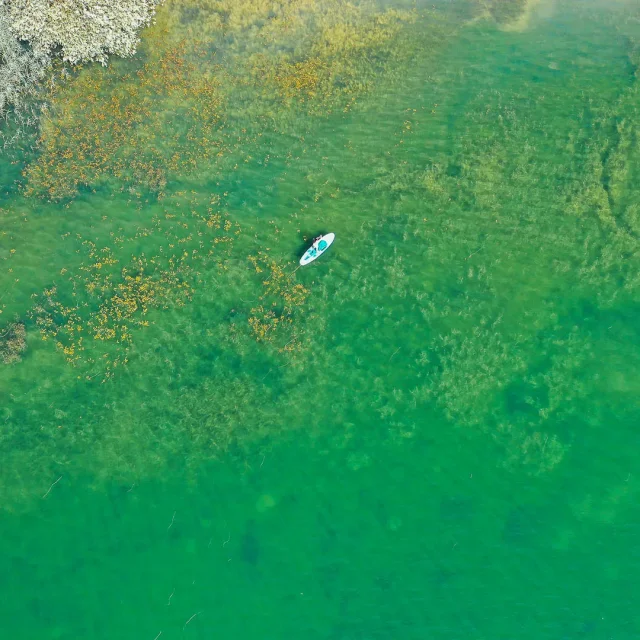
[322, 245]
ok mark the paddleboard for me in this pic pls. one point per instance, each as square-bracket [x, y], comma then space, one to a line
[312, 253]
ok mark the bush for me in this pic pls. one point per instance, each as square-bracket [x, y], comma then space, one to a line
[82, 29]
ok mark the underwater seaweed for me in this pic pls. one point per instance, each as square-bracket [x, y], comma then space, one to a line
[139, 127]
[12, 342]
[281, 302]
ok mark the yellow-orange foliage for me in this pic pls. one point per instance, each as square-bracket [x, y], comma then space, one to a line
[138, 126]
[282, 301]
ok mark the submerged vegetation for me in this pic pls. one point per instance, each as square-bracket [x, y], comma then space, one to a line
[283, 299]
[112, 293]
[121, 305]
[345, 56]
[479, 254]
[12, 342]
[137, 127]
[505, 11]
[168, 115]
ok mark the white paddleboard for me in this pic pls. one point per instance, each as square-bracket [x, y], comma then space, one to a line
[312, 252]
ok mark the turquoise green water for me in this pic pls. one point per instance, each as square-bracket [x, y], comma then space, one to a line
[441, 444]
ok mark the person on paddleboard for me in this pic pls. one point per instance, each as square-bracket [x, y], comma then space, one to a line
[314, 244]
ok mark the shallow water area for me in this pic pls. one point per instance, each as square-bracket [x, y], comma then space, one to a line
[430, 431]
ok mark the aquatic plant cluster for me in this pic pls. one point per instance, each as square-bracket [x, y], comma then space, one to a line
[282, 300]
[509, 357]
[449, 295]
[135, 131]
[122, 306]
[112, 293]
[98, 132]
[504, 11]
[140, 127]
[12, 342]
[347, 54]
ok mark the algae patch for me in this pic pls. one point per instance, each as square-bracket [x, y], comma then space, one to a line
[12, 342]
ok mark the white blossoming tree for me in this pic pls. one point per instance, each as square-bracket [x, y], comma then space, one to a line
[32, 32]
[81, 29]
